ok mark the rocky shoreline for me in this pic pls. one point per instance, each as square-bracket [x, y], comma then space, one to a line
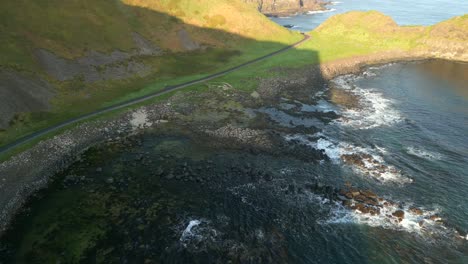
[279, 8]
[31, 170]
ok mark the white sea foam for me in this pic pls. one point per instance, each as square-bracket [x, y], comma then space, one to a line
[321, 106]
[188, 233]
[374, 109]
[321, 11]
[200, 234]
[374, 164]
[383, 66]
[423, 153]
[427, 223]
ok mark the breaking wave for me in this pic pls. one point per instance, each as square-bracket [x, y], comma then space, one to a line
[426, 223]
[321, 11]
[364, 160]
[374, 109]
[423, 153]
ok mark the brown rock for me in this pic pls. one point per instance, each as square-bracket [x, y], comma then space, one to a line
[371, 202]
[399, 214]
[374, 211]
[416, 211]
[353, 159]
[360, 198]
[434, 217]
[354, 191]
[342, 192]
[369, 194]
[362, 208]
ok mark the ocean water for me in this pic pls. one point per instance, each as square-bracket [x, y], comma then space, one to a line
[416, 12]
[172, 199]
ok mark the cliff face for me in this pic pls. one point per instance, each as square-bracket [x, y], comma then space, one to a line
[285, 7]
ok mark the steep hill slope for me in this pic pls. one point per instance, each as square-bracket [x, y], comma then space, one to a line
[76, 55]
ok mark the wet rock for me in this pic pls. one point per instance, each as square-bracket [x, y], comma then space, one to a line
[353, 159]
[435, 217]
[349, 195]
[360, 198]
[399, 214]
[362, 208]
[374, 211]
[354, 192]
[416, 211]
[371, 202]
[342, 198]
[461, 233]
[369, 194]
[110, 180]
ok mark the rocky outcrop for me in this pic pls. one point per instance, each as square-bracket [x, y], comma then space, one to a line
[187, 42]
[97, 66]
[448, 39]
[286, 7]
[20, 93]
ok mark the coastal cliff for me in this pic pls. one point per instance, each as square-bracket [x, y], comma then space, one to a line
[286, 7]
[373, 34]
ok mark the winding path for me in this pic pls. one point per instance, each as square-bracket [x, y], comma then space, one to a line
[167, 89]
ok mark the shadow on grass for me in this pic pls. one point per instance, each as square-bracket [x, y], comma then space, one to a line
[219, 53]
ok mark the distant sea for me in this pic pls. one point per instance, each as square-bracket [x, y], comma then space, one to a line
[415, 12]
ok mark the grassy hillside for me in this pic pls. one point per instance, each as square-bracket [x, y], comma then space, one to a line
[356, 33]
[224, 33]
[231, 36]
[73, 27]
[365, 35]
